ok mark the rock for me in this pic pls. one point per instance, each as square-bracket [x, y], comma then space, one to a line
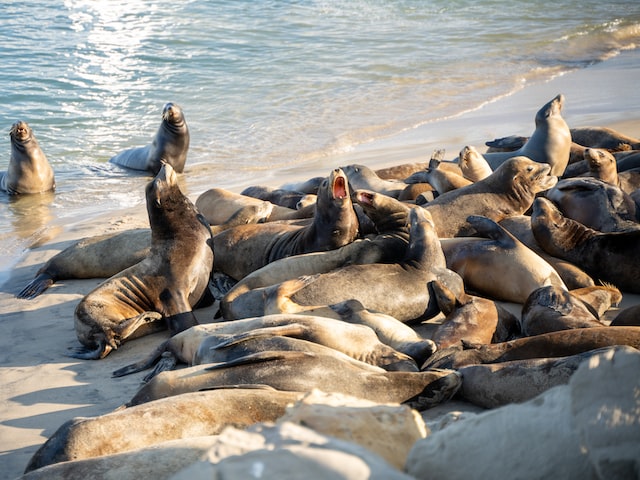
[288, 451]
[589, 428]
[390, 430]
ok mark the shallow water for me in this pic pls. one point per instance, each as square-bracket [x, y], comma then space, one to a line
[264, 85]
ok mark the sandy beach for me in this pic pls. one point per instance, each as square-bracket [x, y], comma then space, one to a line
[41, 388]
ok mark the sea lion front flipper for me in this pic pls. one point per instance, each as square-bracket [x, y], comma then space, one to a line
[145, 363]
[294, 330]
[259, 357]
[36, 286]
[486, 227]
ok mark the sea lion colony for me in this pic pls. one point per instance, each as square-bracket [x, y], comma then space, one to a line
[290, 286]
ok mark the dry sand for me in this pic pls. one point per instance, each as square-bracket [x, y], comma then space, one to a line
[41, 388]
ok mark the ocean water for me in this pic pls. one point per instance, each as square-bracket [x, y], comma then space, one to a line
[264, 85]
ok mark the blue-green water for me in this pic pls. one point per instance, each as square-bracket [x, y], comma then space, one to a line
[264, 84]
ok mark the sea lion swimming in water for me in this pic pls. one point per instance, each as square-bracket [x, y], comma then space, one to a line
[29, 170]
[169, 145]
[165, 285]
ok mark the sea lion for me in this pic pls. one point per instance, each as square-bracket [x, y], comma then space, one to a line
[610, 257]
[189, 415]
[595, 204]
[389, 330]
[362, 177]
[279, 196]
[626, 160]
[497, 266]
[169, 145]
[472, 319]
[598, 298]
[245, 248]
[473, 165]
[440, 179]
[302, 372]
[105, 255]
[160, 460]
[357, 341]
[629, 316]
[388, 245]
[602, 165]
[218, 205]
[404, 170]
[497, 384]
[561, 343]
[603, 137]
[95, 257]
[165, 285]
[549, 309]
[297, 337]
[398, 289]
[29, 170]
[573, 277]
[550, 143]
[508, 191]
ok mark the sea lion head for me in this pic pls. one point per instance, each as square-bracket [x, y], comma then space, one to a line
[20, 132]
[554, 232]
[334, 211]
[526, 176]
[163, 197]
[599, 160]
[553, 108]
[172, 113]
[386, 212]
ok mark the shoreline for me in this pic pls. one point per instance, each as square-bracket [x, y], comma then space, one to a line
[42, 388]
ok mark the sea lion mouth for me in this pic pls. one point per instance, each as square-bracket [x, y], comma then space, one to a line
[19, 130]
[339, 186]
[364, 197]
[171, 113]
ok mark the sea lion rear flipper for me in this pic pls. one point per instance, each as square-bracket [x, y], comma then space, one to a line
[36, 286]
[167, 362]
[294, 330]
[260, 357]
[143, 364]
[134, 158]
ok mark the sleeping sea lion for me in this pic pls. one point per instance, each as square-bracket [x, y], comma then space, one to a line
[595, 204]
[496, 264]
[561, 343]
[471, 319]
[302, 372]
